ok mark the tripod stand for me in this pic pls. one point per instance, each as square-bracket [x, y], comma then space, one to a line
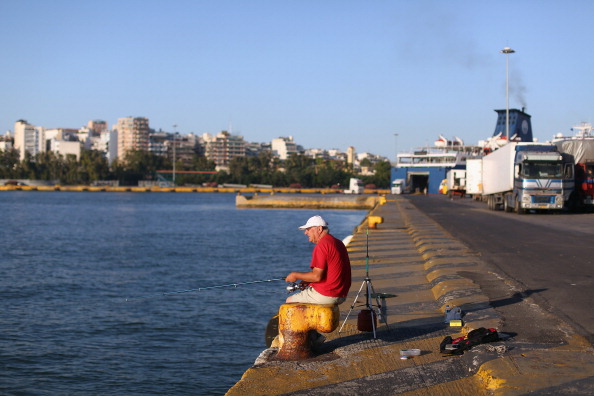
[369, 295]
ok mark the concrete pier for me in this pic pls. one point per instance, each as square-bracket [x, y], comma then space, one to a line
[412, 257]
[309, 201]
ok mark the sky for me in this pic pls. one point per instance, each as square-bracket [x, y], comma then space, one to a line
[382, 76]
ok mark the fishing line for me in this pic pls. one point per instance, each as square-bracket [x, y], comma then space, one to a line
[204, 288]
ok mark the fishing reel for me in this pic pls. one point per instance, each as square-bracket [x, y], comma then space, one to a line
[294, 286]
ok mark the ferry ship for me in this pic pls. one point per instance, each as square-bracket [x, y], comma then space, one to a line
[423, 170]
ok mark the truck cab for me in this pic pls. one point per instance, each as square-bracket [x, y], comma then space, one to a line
[355, 186]
[456, 182]
[397, 186]
[539, 179]
[524, 176]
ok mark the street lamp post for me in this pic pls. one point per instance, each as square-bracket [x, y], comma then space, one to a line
[174, 136]
[396, 148]
[507, 51]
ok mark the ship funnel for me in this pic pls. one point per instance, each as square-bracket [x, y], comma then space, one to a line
[519, 124]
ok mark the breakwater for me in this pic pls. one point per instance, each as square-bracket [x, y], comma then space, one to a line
[236, 190]
[308, 201]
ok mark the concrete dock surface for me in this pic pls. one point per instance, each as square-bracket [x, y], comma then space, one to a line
[410, 256]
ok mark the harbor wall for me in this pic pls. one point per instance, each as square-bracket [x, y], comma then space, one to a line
[299, 201]
[247, 190]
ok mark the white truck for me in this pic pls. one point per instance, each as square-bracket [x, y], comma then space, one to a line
[355, 186]
[522, 176]
[398, 186]
[456, 182]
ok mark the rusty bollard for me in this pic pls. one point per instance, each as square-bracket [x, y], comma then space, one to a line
[296, 323]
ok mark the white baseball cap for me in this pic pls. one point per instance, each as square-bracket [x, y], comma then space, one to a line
[314, 221]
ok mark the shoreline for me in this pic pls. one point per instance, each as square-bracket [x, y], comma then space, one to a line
[236, 190]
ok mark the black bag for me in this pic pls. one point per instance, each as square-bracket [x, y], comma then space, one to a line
[459, 345]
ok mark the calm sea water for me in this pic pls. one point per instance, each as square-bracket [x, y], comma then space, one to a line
[69, 261]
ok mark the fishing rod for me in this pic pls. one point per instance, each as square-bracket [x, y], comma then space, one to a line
[204, 288]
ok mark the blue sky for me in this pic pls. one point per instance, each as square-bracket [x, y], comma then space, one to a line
[332, 74]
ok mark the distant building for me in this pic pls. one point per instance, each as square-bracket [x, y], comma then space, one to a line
[254, 149]
[186, 147]
[373, 158]
[64, 141]
[283, 147]
[28, 138]
[6, 142]
[222, 148]
[351, 155]
[163, 144]
[317, 154]
[159, 142]
[337, 155]
[85, 138]
[133, 134]
[97, 127]
[107, 143]
[67, 134]
[64, 147]
[93, 136]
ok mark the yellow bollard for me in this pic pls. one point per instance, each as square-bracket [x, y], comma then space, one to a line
[297, 322]
[373, 221]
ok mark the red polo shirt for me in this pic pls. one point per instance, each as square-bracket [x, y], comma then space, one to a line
[331, 255]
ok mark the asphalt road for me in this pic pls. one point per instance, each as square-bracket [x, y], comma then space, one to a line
[535, 263]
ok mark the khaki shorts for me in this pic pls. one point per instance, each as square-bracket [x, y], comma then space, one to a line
[309, 295]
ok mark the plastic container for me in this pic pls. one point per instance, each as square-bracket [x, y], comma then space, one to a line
[454, 313]
[405, 353]
[367, 320]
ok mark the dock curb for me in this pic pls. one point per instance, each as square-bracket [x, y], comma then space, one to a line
[414, 258]
[445, 258]
[564, 369]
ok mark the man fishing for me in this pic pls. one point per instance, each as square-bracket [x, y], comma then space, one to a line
[329, 280]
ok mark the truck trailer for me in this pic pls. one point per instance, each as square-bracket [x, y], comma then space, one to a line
[582, 151]
[522, 176]
[474, 177]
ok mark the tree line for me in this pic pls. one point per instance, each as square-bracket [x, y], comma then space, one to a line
[92, 167]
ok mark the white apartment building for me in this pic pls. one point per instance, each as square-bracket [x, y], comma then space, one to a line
[68, 134]
[283, 147]
[222, 148]
[336, 154]
[64, 141]
[86, 137]
[107, 143]
[28, 138]
[373, 158]
[65, 147]
[317, 153]
[6, 141]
